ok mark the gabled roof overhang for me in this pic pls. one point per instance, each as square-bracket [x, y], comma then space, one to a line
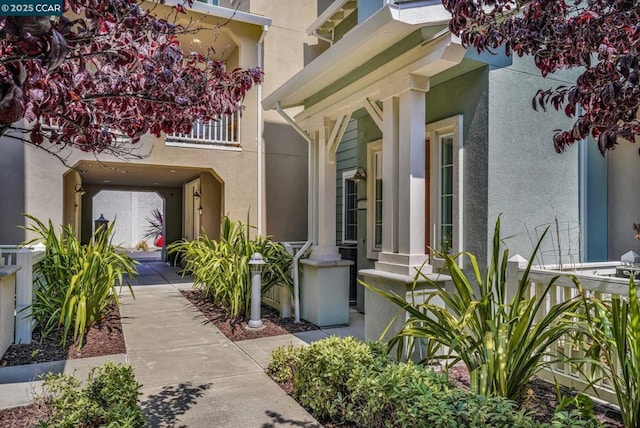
[224, 13]
[434, 49]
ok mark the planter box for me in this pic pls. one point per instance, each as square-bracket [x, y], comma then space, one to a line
[324, 292]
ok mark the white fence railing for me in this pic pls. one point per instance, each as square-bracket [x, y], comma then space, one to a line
[223, 133]
[598, 281]
[279, 297]
[27, 260]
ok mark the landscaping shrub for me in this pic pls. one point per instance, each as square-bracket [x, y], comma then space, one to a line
[345, 381]
[75, 283]
[281, 364]
[109, 399]
[323, 370]
[496, 335]
[221, 268]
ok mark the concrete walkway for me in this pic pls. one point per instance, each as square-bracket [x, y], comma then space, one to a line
[192, 375]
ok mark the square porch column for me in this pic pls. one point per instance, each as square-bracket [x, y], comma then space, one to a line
[324, 246]
[403, 177]
[324, 288]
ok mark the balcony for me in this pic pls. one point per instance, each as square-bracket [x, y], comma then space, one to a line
[223, 134]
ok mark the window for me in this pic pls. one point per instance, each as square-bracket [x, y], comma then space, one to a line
[350, 208]
[446, 193]
[374, 199]
[444, 219]
[211, 2]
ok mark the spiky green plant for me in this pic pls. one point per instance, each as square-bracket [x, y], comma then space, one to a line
[494, 331]
[615, 348]
[155, 226]
[220, 268]
[76, 282]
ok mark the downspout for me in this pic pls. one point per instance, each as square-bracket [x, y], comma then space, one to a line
[300, 253]
[265, 28]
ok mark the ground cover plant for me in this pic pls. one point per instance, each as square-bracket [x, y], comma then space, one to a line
[75, 282]
[220, 268]
[495, 334]
[110, 398]
[345, 382]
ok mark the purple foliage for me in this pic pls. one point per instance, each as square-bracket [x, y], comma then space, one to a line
[600, 37]
[107, 68]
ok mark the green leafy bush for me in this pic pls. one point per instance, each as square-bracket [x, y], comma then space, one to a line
[221, 268]
[323, 371]
[109, 399]
[498, 336]
[75, 282]
[345, 381]
[281, 363]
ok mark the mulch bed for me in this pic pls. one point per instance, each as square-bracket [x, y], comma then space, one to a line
[104, 338]
[235, 329]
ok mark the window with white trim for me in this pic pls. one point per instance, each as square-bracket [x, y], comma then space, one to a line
[374, 199]
[445, 190]
[349, 208]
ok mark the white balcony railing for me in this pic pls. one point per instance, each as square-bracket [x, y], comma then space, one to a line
[223, 133]
[598, 280]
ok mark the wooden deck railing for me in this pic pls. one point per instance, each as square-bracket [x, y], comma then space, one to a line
[598, 281]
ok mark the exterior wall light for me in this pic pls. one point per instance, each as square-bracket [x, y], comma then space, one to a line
[360, 174]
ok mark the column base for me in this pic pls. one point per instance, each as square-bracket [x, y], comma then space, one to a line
[324, 292]
[328, 253]
[403, 264]
[381, 315]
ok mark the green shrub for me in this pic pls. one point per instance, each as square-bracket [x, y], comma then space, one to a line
[345, 381]
[323, 371]
[109, 399]
[498, 336]
[221, 268]
[386, 395]
[282, 362]
[75, 282]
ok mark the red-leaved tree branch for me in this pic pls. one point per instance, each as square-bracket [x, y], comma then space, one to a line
[601, 38]
[108, 69]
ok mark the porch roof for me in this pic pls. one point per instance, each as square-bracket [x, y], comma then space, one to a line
[382, 30]
[225, 13]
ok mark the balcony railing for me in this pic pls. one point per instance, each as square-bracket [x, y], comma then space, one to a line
[223, 133]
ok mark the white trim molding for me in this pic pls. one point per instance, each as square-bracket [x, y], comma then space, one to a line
[451, 126]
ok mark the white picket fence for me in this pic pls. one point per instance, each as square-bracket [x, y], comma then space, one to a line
[26, 260]
[598, 281]
[279, 297]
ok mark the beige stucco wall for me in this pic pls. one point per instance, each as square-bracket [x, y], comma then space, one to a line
[43, 183]
[285, 172]
[38, 177]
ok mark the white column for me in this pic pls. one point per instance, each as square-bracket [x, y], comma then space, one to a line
[403, 181]
[390, 150]
[325, 245]
[411, 171]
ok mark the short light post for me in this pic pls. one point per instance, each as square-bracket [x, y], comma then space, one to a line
[256, 262]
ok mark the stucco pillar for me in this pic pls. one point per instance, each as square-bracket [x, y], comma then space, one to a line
[325, 245]
[403, 157]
